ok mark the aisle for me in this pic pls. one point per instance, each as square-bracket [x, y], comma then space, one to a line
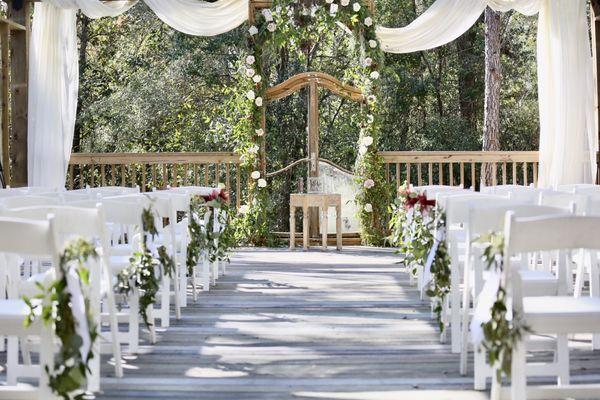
[298, 325]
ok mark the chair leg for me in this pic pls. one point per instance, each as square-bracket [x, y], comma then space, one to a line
[562, 359]
[455, 333]
[479, 369]
[46, 360]
[518, 387]
[12, 360]
[595, 290]
[195, 283]
[176, 296]
[205, 275]
[25, 351]
[134, 324]
[114, 333]
[165, 301]
[152, 322]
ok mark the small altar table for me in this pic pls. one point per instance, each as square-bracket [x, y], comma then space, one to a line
[323, 202]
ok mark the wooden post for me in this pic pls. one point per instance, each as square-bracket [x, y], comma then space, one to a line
[19, 70]
[313, 149]
[4, 39]
[595, 16]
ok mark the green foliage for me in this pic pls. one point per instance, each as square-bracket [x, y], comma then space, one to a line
[413, 223]
[501, 334]
[69, 372]
[145, 270]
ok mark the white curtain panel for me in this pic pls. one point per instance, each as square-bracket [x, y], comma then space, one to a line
[54, 70]
[200, 18]
[568, 143]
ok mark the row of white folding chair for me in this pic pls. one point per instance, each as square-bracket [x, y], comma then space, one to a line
[34, 240]
[30, 190]
[70, 222]
[456, 208]
[207, 272]
[484, 218]
[560, 315]
[123, 237]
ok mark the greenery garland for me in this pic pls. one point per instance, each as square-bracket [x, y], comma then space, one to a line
[294, 24]
[143, 267]
[413, 223]
[500, 333]
[70, 370]
[218, 245]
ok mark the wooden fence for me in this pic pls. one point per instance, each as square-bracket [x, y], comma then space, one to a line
[460, 167]
[156, 170]
[148, 170]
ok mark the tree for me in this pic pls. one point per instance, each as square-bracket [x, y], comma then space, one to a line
[493, 77]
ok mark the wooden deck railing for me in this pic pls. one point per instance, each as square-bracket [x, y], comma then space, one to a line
[460, 167]
[148, 170]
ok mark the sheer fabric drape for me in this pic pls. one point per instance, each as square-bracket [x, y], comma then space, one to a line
[568, 142]
[54, 70]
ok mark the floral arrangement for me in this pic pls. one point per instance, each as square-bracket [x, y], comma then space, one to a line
[500, 334]
[414, 221]
[294, 24]
[217, 245]
[69, 372]
[146, 268]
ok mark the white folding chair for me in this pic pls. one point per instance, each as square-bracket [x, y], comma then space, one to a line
[31, 239]
[484, 218]
[88, 223]
[29, 201]
[555, 315]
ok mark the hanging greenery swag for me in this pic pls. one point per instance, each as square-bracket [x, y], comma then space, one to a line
[294, 25]
[70, 369]
[146, 268]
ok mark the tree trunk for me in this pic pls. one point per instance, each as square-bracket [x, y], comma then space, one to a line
[83, 40]
[467, 77]
[493, 76]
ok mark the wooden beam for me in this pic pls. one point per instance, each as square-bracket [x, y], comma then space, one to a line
[4, 43]
[12, 24]
[299, 81]
[19, 69]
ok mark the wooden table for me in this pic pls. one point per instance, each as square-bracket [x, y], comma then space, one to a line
[323, 202]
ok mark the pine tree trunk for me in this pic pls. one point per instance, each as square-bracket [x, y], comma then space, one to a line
[493, 76]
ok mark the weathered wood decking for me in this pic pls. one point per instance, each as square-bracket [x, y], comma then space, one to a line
[301, 325]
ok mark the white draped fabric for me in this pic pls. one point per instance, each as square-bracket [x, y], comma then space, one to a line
[568, 141]
[54, 71]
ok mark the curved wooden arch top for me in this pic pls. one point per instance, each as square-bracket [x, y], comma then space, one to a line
[299, 81]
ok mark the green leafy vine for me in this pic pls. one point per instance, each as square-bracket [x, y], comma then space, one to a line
[500, 333]
[70, 370]
[294, 25]
[144, 267]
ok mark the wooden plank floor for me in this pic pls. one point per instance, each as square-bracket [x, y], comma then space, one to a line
[304, 325]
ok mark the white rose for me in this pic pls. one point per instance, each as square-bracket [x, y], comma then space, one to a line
[344, 3]
[329, 1]
[255, 175]
[356, 7]
[370, 118]
[244, 209]
[253, 150]
[259, 132]
[333, 9]
[267, 14]
[368, 21]
[369, 183]
[367, 62]
[368, 207]
[258, 101]
[250, 72]
[367, 141]
[253, 30]
[251, 95]
[372, 43]
[257, 78]
[374, 75]
[262, 183]
[250, 60]
[370, 99]
[271, 27]
[362, 150]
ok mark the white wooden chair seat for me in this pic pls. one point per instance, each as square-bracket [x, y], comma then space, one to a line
[562, 314]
